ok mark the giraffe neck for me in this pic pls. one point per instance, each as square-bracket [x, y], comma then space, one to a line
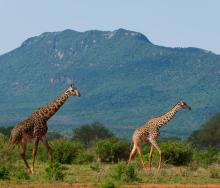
[47, 111]
[164, 119]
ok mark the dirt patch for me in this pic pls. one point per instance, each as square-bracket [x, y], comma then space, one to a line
[81, 185]
[143, 185]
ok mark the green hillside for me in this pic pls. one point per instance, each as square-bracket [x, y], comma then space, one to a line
[124, 79]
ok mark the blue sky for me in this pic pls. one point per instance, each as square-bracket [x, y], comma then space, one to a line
[171, 23]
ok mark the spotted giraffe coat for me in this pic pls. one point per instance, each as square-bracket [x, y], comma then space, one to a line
[35, 126]
[151, 129]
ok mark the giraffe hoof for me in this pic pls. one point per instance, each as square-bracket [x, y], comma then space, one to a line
[29, 170]
[32, 171]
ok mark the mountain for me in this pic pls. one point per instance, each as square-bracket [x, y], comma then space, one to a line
[123, 77]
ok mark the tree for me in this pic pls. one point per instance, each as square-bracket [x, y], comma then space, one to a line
[208, 134]
[54, 136]
[112, 150]
[89, 133]
[177, 152]
[6, 130]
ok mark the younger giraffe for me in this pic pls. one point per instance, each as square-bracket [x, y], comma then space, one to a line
[35, 126]
[150, 131]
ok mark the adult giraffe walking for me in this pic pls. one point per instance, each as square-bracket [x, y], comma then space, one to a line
[35, 126]
[150, 131]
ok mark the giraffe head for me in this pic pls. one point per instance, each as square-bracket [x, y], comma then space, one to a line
[72, 91]
[184, 105]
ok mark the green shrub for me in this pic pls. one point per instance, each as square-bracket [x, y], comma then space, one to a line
[54, 172]
[108, 184]
[176, 152]
[112, 150]
[21, 174]
[65, 152]
[123, 172]
[84, 157]
[4, 173]
[214, 173]
[41, 155]
[216, 158]
[95, 167]
[7, 154]
[208, 134]
[205, 156]
[89, 133]
[6, 131]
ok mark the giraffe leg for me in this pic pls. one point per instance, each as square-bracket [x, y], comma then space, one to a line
[132, 154]
[154, 143]
[34, 154]
[150, 156]
[22, 146]
[140, 155]
[49, 150]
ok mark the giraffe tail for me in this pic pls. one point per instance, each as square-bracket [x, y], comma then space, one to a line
[131, 144]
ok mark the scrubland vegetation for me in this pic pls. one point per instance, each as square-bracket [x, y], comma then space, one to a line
[96, 156]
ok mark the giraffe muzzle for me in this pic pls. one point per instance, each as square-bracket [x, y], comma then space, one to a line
[78, 94]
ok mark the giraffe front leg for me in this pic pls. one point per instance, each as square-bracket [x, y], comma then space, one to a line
[34, 154]
[49, 150]
[22, 146]
[150, 156]
[154, 143]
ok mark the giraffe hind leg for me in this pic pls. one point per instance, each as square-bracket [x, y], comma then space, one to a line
[154, 143]
[140, 155]
[132, 154]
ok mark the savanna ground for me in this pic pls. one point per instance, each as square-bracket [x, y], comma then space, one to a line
[106, 175]
[94, 157]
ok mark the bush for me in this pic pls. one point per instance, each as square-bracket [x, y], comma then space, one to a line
[21, 174]
[84, 157]
[95, 167]
[123, 172]
[176, 152]
[53, 172]
[4, 173]
[54, 136]
[6, 131]
[108, 184]
[216, 158]
[112, 150]
[7, 155]
[205, 156]
[41, 155]
[90, 133]
[214, 173]
[208, 134]
[65, 152]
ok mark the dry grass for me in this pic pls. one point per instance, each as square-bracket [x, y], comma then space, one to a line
[92, 175]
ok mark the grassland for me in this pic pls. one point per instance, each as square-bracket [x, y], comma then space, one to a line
[99, 174]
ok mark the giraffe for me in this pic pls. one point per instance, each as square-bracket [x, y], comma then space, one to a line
[150, 131]
[35, 127]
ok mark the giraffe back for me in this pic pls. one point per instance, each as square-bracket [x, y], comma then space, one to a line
[29, 128]
[142, 134]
